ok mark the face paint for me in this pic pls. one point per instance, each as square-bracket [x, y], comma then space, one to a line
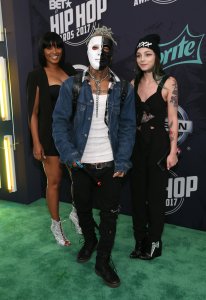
[100, 52]
[107, 51]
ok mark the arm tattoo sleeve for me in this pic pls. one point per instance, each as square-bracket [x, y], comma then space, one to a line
[171, 133]
[174, 97]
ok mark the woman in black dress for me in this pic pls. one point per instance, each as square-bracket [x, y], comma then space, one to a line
[43, 87]
[156, 99]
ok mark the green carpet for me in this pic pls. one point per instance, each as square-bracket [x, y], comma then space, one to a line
[34, 267]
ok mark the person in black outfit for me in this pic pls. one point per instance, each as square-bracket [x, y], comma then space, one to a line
[156, 98]
[43, 86]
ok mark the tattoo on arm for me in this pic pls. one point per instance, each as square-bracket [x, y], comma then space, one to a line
[174, 96]
[171, 132]
[170, 124]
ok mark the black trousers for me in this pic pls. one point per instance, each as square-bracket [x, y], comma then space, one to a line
[148, 189]
[107, 197]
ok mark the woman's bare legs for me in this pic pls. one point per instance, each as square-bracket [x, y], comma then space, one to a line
[53, 171]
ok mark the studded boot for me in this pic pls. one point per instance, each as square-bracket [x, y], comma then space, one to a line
[58, 233]
[74, 219]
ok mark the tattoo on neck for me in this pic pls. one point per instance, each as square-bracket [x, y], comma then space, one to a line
[101, 92]
[98, 89]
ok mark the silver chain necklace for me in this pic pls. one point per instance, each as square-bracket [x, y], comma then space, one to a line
[98, 90]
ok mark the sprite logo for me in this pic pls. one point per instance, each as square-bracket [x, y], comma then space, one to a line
[184, 49]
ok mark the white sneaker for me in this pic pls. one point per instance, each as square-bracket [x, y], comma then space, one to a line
[74, 218]
[58, 233]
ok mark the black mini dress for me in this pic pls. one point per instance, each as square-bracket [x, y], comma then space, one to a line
[49, 146]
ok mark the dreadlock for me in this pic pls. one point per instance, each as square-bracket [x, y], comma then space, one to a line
[103, 31]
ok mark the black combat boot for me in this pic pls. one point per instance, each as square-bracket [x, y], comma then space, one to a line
[86, 251]
[104, 269]
[87, 225]
[139, 249]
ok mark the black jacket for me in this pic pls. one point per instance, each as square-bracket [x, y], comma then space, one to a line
[38, 78]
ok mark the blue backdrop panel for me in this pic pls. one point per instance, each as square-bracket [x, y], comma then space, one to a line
[182, 26]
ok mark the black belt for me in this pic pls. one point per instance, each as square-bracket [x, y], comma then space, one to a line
[99, 166]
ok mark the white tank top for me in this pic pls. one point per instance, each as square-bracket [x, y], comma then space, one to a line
[98, 147]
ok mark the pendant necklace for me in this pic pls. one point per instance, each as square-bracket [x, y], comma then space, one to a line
[98, 90]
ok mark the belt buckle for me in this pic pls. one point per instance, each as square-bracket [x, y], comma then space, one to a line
[98, 166]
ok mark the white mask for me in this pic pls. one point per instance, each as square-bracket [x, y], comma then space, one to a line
[98, 58]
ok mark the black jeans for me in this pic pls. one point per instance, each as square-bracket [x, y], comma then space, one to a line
[108, 198]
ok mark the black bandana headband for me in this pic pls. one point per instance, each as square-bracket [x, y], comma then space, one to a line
[150, 41]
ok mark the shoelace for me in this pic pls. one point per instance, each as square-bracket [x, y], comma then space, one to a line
[112, 264]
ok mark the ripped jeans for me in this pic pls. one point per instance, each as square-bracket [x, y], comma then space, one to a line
[107, 198]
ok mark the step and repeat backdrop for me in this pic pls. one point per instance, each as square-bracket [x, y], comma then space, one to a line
[182, 27]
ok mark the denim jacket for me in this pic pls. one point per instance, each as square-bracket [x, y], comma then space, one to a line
[70, 133]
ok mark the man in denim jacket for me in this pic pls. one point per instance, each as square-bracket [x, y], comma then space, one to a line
[96, 141]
